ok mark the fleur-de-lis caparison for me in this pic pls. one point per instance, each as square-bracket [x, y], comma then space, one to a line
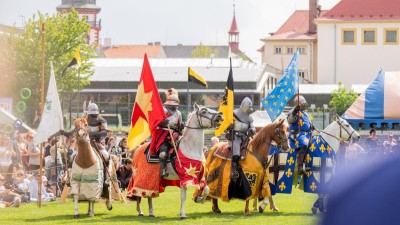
[322, 148]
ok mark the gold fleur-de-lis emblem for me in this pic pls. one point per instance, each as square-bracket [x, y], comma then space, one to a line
[329, 149]
[266, 101]
[308, 173]
[313, 187]
[290, 160]
[317, 140]
[291, 150]
[296, 143]
[282, 186]
[312, 147]
[289, 173]
[308, 158]
[301, 122]
[322, 148]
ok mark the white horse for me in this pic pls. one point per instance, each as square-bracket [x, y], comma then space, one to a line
[335, 134]
[144, 183]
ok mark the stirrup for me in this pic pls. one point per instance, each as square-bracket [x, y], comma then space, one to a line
[301, 170]
[164, 173]
[235, 174]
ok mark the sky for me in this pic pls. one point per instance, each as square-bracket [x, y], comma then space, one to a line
[173, 22]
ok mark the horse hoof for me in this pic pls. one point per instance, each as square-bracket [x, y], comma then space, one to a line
[216, 210]
[141, 214]
[260, 209]
[314, 210]
[183, 217]
[109, 207]
[76, 216]
[151, 216]
[274, 209]
[247, 213]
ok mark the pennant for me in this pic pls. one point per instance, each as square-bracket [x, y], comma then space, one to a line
[147, 111]
[76, 60]
[226, 105]
[196, 78]
[286, 88]
[52, 118]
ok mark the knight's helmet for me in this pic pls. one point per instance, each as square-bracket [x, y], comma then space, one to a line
[247, 106]
[172, 98]
[300, 100]
[92, 109]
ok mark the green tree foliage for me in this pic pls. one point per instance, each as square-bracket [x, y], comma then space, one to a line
[342, 99]
[23, 65]
[202, 51]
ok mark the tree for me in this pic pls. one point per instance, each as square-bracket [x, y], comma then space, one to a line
[23, 65]
[342, 99]
[203, 51]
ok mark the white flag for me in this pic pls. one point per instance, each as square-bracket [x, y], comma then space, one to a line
[52, 118]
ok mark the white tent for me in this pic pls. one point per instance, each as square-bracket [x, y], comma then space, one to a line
[7, 118]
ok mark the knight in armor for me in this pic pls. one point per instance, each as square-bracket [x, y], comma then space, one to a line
[161, 139]
[239, 134]
[300, 131]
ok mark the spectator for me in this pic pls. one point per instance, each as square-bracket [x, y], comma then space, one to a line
[47, 191]
[389, 144]
[111, 146]
[373, 145]
[355, 154]
[124, 173]
[34, 188]
[33, 152]
[205, 150]
[123, 148]
[6, 152]
[109, 136]
[23, 150]
[7, 196]
[214, 140]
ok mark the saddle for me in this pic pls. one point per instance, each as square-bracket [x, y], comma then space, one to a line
[225, 152]
[154, 158]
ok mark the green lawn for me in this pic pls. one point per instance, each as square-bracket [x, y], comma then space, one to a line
[294, 209]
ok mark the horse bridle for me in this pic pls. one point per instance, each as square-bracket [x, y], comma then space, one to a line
[199, 115]
[277, 133]
[340, 132]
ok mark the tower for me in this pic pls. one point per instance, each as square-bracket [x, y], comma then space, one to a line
[86, 9]
[234, 35]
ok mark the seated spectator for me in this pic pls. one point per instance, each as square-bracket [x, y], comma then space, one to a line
[214, 140]
[6, 152]
[47, 189]
[355, 154]
[34, 188]
[7, 196]
[389, 144]
[124, 173]
[21, 182]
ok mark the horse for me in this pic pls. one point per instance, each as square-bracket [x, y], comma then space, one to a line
[87, 170]
[322, 147]
[187, 169]
[218, 165]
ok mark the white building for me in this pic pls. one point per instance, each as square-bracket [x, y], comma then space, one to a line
[356, 39]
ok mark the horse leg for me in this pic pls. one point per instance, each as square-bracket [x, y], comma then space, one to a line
[91, 208]
[88, 209]
[76, 212]
[263, 205]
[138, 208]
[201, 199]
[255, 204]
[215, 207]
[183, 199]
[151, 209]
[272, 205]
[315, 207]
[246, 209]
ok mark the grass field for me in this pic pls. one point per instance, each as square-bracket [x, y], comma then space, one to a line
[294, 209]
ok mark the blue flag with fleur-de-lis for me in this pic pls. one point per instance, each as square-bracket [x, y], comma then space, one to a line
[286, 88]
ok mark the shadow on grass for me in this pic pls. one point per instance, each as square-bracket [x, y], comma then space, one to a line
[105, 218]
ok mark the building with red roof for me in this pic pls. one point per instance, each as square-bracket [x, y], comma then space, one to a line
[298, 32]
[356, 39]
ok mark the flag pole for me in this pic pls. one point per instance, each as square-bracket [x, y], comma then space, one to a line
[187, 92]
[41, 109]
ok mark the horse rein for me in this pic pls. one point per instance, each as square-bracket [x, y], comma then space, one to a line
[281, 140]
[200, 115]
[340, 133]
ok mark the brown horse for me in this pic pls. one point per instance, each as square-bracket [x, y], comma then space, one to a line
[217, 167]
[87, 170]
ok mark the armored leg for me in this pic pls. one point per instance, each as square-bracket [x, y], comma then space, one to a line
[163, 154]
[235, 158]
[301, 155]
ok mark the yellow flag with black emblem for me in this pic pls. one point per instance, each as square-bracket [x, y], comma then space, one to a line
[196, 78]
[226, 104]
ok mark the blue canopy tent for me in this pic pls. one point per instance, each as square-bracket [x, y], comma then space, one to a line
[379, 105]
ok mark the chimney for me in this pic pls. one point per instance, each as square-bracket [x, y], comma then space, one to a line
[157, 43]
[150, 43]
[107, 43]
[313, 14]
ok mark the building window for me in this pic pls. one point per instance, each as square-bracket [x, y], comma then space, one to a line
[302, 50]
[349, 36]
[278, 50]
[391, 36]
[302, 74]
[369, 36]
[289, 50]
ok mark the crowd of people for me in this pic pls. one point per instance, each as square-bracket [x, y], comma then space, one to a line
[20, 163]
